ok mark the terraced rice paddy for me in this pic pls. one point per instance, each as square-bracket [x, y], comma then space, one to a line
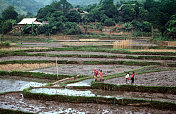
[78, 65]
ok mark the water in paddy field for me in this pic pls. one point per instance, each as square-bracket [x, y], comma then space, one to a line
[63, 91]
[82, 83]
[16, 85]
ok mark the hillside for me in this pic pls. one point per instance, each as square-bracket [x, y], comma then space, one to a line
[73, 2]
[79, 2]
[21, 6]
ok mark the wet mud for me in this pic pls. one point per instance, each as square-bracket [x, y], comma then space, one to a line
[14, 101]
[77, 59]
[163, 78]
[74, 69]
[92, 53]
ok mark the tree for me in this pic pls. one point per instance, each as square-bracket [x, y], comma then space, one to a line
[71, 28]
[171, 29]
[64, 6]
[9, 13]
[110, 10]
[148, 4]
[128, 12]
[7, 26]
[109, 22]
[74, 16]
[160, 14]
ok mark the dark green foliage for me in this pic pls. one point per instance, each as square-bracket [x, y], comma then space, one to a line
[160, 12]
[74, 16]
[109, 22]
[34, 75]
[7, 26]
[110, 9]
[43, 29]
[71, 28]
[4, 44]
[9, 13]
[171, 28]
[29, 29]
[129, 13]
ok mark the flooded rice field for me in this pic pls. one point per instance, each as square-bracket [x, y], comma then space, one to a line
[78, 59]
[93, 53]
[81, 83]
[63, 91]
[17, 85]
[86, 69]
[14, 101]
[106, 94]
[163, 78]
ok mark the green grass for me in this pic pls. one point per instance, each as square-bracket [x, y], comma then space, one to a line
[135, 88]
[35, 75]
[95, 99]
[132, 63]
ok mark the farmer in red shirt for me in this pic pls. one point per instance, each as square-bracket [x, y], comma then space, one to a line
[95, 74]
[132, 78]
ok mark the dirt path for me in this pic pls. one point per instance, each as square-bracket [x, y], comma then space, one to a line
[15, 102]
[77, 59]
[163, 78]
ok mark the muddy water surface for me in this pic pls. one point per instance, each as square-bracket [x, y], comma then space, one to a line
[15, 102]
[82, 83]
[16, 85]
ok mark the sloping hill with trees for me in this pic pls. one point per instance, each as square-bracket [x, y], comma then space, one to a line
[23, 7]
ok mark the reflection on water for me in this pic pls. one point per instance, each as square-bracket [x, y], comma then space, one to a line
[63, 91]
[82, 83]
[64, 111]
[14, 85]
[69, 92]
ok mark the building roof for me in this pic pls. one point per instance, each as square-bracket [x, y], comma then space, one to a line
[29, 21]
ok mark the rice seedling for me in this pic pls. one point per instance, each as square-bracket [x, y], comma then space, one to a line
[20, 48]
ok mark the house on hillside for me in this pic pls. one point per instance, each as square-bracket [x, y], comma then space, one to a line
[120, 8]
[29, 21]
[82, 13]
[26, 21]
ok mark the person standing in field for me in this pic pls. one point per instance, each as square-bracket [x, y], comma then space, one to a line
[132, 78]
[95, 74]
[101, 75]
[127, 77]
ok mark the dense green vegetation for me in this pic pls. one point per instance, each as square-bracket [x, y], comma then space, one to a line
[35, 75]
[136, 16]
[135, 88]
